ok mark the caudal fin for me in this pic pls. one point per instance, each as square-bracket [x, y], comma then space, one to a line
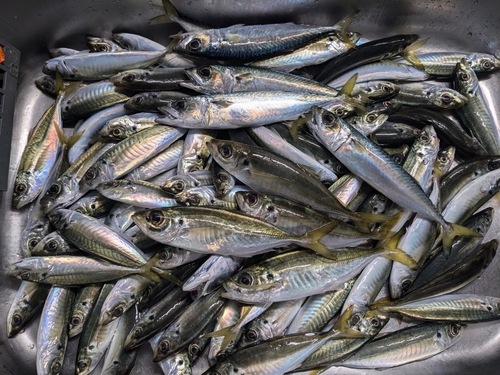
[169, 16]
[341, 327]
[454, 230]
[311, 239]
[156, 274]
[409, 53]
[343, 24]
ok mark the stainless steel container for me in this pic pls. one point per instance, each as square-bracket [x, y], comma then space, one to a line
[35, 26]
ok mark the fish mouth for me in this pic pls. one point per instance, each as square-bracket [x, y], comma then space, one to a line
[169, 112]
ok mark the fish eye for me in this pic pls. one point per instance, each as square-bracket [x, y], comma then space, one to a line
[32, 243]
[20, 188]
[180, 104]
[54, 189]
[446, 98]
[328, 118]
[492, 165]
[455, 329]
[16, 319]
[138, 100]
[194, 44]
[463, 76]
[155, 217]
[165, 255]
[194, 350]
[226, 151]
[339, 112]
[406, 285]
[130, 77]
[397, 158]
[387, 89]
[424, 138]
[117, 132]
[223, 177]
[375, 322]
[355, 319]
[90, 175]
[56, 367]
[76, 320]
[52, 245]
[137, 332]
[341, 169]
[163, 346]
[251, 199]
[443, 159]
[54, 218]
[486, 64]
[194, 200]
[371, 117]
[118, 312]
[245, 279]
[82, 365]
[179, 186]
[25, 276]
[205, 72]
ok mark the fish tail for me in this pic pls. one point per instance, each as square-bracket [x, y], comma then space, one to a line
[156, 274]
[295, 125]
[221, 332]
[389, 250]
[311, 239]
[371, 218]
[348, 86]
[450, 231]
[409, 53]
[343, 24]
[175, 39]
[169, 16]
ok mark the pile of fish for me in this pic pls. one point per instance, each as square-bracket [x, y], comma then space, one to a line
[217, 206]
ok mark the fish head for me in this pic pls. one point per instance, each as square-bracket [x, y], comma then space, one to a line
[191, 162]
[97, 44]
[27, 187]
[231, 156]
[46, 84]
[95, 174]
[51, 244]
[483, 62]
[196, 197]
[445, 97]
[194, 43]
[211, 78]
[16, 318]
[66, 70]
[139, 102]
[118, 128]
[30, 269]
[187, 111]
[138, 332]
[162, 349]
[449, 333]
[83, 365]
[223, 182]
[161, 225]
[485, 218]
[62, 218]
[370, 323]
[32, 236]
[130, 77]
[177, 364]
[465, 78]
[404, 281]
[426, 145]
[256, 204]
[444, 160]
[75, 322]
[116, 188]
[255, 284]
[61, 192]
[175, 185]
[50, 358]
[331, 129]
[127, 41]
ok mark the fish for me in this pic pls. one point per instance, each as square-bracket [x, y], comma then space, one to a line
[52, 336]
[405, 346]
[122, 127]
[290, 275]
[84, 301]
[39, 156]
[363, 157]
[160, 79]
[245, 237]
[244, 109]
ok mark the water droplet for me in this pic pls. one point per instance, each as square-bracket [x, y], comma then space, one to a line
[469, 34]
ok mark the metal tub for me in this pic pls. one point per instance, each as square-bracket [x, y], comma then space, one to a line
[33, 27]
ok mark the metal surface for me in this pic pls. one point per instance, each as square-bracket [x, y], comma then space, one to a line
[33, 27]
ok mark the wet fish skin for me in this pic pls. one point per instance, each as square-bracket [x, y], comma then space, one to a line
[52, 336]
[151, 101]
[85, 300]
[124, 126]
[28, 301]
[406, 345]
[160, 79]
[93, 204]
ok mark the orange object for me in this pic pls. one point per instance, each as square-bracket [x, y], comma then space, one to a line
[2, 55]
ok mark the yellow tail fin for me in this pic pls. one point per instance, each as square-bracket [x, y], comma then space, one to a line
[311, 239]
[452, 231]
[409, 53]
